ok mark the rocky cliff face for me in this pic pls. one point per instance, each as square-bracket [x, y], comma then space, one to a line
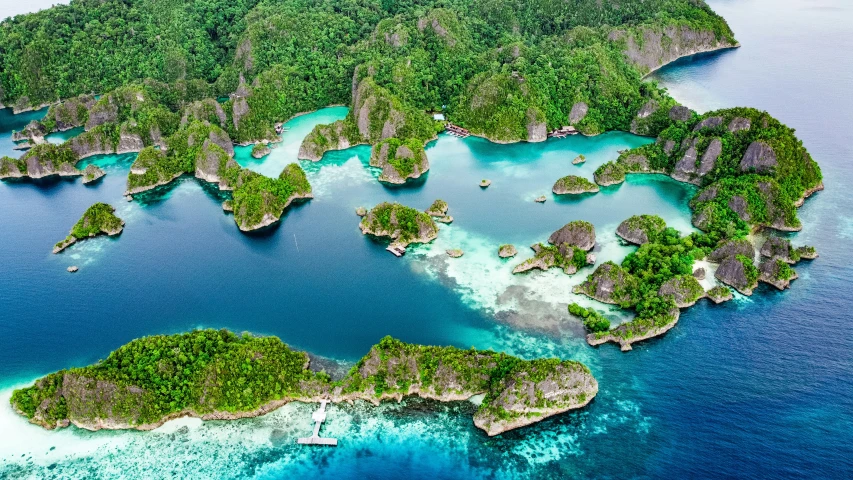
[399, 161]
[609, 283]
[735, 273]
[528, 397]
[324, 138]
[650, 49]
[685, 290]
[578, 233]
[640, 229]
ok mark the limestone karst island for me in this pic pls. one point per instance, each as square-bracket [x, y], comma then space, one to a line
[578, 226]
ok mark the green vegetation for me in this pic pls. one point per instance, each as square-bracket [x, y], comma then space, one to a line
[592, 320]
[259, 200]
[642, 229]
[783, 270]
[719, 292]
[208, 371]
[574, 184]
[403, 224]
[750, 270]
[96, 220]
[407, 158]
[498, 66]
[610, 173]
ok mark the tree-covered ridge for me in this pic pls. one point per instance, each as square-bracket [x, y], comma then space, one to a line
[504, 74]
[99, 219]
[217, 374]
[753, 169]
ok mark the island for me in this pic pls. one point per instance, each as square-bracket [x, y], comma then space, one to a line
[403, 225]
[99, 219]
[573, 185]
[407, 72]
[219, 375]
[568, 249]
[659, 278]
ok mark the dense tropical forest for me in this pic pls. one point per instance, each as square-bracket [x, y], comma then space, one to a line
[183, 81]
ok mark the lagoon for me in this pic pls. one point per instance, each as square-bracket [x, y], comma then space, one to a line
[754, 388]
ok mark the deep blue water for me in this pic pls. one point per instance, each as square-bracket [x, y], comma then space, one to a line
[755, 388]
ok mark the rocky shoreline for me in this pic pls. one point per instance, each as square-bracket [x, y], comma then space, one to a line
[516, 392]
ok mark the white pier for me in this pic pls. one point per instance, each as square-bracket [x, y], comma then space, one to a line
[319, 417]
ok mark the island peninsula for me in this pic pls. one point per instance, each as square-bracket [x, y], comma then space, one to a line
[218, 375]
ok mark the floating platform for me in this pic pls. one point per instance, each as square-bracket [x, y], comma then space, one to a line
[319, 416]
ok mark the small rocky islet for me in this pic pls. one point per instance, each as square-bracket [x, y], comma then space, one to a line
[99, 219]
[208, 367]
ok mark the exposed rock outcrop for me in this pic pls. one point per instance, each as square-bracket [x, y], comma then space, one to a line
[684, 289]
[611, 173]
[658, 47]
[776, 272]
[759, 157]
[577, 233]
[578, 112]
[680, 113]
[324, 138]
[92, 173]
[573, 185]
[735, 273]
[641, 229]
[730, 248]
[383, 220]
[507, 251]
[399, 161]
[609, 283]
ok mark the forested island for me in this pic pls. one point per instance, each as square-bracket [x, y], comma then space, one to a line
[218, 375]
[193, 79]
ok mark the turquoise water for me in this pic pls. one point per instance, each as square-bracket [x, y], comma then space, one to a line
[755, 388]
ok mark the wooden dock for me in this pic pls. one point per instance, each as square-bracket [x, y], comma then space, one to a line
[456, 130]
[563, 132]
[319, 416]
